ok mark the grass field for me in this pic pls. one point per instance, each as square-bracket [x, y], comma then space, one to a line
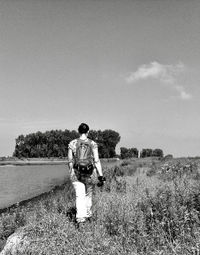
[145, 207]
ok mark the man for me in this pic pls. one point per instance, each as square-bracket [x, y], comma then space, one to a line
[83, 162]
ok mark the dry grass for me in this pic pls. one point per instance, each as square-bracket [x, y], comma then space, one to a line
[135, 213]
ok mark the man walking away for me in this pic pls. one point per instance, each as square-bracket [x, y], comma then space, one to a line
[83, 162]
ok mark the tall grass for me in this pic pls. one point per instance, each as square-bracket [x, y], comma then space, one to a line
[134, 213]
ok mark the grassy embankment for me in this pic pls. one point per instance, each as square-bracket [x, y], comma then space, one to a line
[146, 207]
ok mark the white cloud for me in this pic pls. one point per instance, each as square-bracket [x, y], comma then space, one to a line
[155, 70]
[182, 93]
[166, 74]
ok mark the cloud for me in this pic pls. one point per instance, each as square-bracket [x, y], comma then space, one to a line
[155, 70]
[166, 74]
[182, 93]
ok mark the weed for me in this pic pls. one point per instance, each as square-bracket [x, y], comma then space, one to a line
[143, 219]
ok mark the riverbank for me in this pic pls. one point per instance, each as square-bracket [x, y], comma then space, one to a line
[43, 161]
[32, 161]
[19, 215]
[141, 210]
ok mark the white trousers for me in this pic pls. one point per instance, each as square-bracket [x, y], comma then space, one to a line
[83, 200]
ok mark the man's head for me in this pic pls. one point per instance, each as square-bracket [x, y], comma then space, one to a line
[83, 128]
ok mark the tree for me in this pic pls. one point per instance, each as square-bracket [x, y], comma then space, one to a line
[124, 153]
[54, 143]
[128, 153]
[151, 153]
[110, 140]
[106, 140]
[157, 153]
[146, 153]
[134, 152]
[168, 156]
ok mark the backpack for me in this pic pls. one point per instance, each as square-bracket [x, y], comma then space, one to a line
[84, 157]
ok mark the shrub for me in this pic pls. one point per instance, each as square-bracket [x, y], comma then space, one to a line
[179, 168]
[175, 213]
[151, 171]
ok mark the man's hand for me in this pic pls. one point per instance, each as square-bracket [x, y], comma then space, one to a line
[101, 179]
[72, 175]
[72, 171]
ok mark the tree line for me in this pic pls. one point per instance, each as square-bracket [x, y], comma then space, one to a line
[134, 153]
[54, 143]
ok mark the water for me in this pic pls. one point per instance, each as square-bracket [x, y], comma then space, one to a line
[18, 183]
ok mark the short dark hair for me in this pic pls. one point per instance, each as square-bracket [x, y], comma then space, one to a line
[83, 128]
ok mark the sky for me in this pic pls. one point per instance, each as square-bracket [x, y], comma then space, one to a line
[132, 66]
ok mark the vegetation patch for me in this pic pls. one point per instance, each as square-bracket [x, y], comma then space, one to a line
[132, 214]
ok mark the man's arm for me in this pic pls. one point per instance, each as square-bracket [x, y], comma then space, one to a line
[70, 159]
[97, 160]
